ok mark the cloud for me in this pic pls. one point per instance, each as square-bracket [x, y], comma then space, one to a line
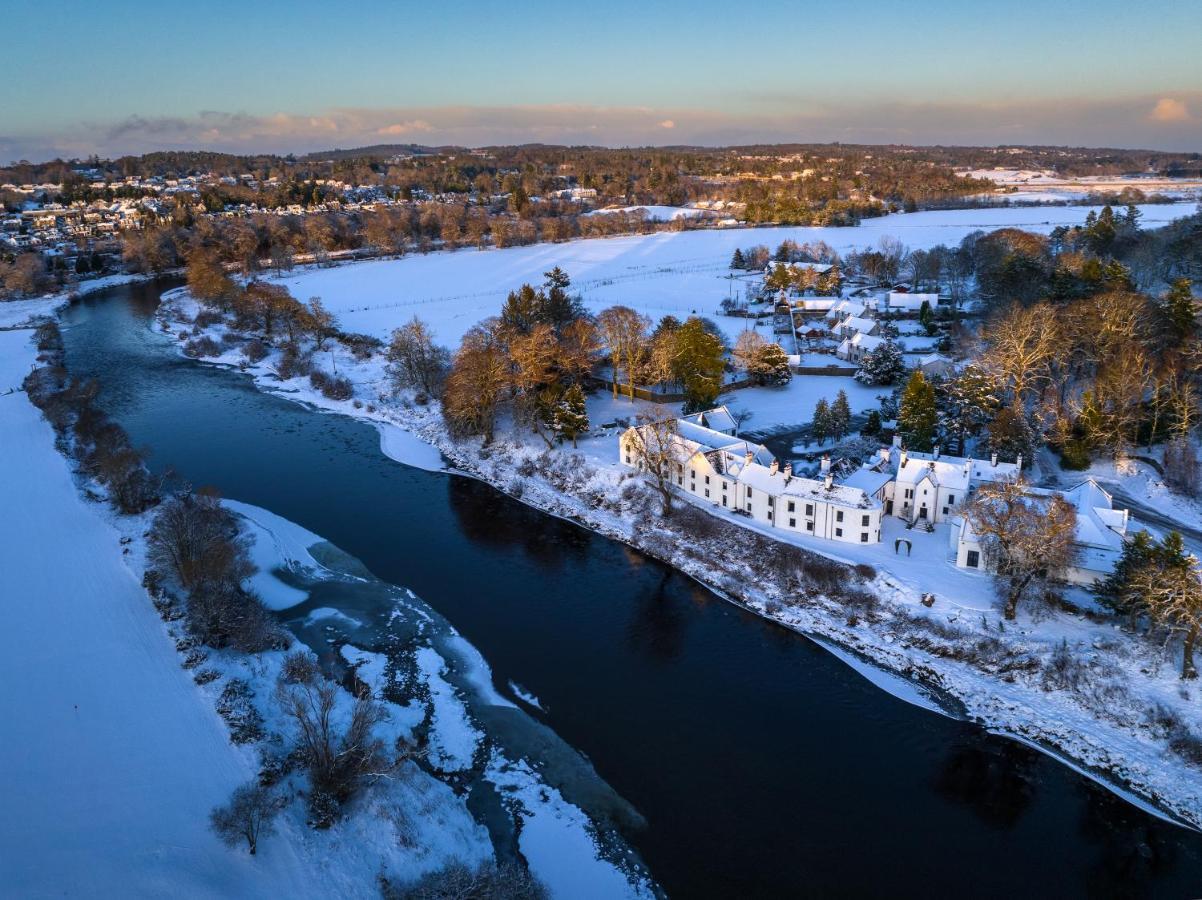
[1169, 110]
[399, 128]
[1137, 122]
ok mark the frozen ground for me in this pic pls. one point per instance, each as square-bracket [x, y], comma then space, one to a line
[680, 273]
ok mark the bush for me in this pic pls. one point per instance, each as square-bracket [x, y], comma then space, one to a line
[202, 346]
[226, 615]
[206, 318]
[332, 387]
[236, 706]
[1075, 455]
[506, 881]
[293, 365]
[254, 351]
[247, 817]
[49, 337]
[299, 668]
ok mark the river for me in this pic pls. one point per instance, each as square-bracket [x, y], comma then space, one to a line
[763, 766]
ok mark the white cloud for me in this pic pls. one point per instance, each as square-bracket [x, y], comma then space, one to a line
[398, 128]
[667, 123]
[1170, 110]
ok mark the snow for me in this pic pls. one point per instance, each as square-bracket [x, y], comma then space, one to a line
[678, 273]
[276, 543]
[407, 448]
[655, 213]
[453, 737]
[111, 759]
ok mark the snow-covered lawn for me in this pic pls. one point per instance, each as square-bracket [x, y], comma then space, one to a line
[678, 273]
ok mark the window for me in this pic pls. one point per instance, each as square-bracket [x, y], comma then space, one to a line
[864, 537]
[724, 485]
[723, 498]
[749, 506]
[945, 510]
[951, 499]
[974, 559]
[792, 523]
[864, 521]
[680, 480]
[792, 506]
[809, 509]
[839, 516]
[838, 532]
[809, 526]
[707, 481]
[749, 491]
[771, 502]
[627, 459]
[707, 493]
[909, 493]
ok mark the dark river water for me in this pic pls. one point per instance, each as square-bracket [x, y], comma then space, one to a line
[763, 766]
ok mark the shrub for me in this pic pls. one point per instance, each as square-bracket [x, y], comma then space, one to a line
[292, 365]
[49, 337]
[236, 706]
[299, 668]
[505, 881]
[206, 318]
[1075, 455]
[254, 351]
[202, 346]
[247, 817]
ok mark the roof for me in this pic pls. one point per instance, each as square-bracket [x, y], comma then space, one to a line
[868, 480]
[858, 323]
[866, 341]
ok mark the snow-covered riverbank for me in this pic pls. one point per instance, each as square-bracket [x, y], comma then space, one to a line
[1077, 686]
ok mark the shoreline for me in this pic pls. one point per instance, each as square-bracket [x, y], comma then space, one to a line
[964, 692]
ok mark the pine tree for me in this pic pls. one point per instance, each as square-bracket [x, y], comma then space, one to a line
[967, 403]
[926, 317]
[1180, 310]
[917, 415]
[737, 261]
[772, 365]
[882, 366]
[872, 427]
[840, 415]
[821, 423]
[1112, 590]
[571, 415]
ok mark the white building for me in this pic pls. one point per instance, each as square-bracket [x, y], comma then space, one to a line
[1100, 533]
[843, 309]
[936, 365]
[856, 325]
[856, 347]
[902, 302]
[713, 465]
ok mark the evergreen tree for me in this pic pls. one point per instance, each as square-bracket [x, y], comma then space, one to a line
[737, 261]
[571, 415]
[771, 365]
[967, 403]
[1011, 433]
[821, 423]
[698, 364]
[840, 415]
[1180, 310]
[917, 416]
[1112, 590]
[882, 366]
[872, 427]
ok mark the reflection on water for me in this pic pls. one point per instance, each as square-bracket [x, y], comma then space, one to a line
[763, 766]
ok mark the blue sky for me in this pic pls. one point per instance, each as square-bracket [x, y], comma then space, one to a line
[132, 75]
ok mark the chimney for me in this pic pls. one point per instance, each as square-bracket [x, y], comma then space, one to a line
[749, 456]
[897, 441]
[825, 465]
[788, 470]
[993, 460]
[830, 481]
[968, 468]
[1019, 462]
[935, 452]
[905, 455]
[772, 469]
[885, 454]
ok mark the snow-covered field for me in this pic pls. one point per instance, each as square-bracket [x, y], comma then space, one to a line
[678, 273]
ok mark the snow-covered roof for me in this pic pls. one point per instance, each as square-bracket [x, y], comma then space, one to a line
[865, 341]
[910, 301]
[868, 480]
[858, 323]
[718, 418]
[846, 308]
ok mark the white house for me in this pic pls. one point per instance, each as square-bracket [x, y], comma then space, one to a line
[856, 347]
[1100, 532]
[844, 308]
[936, 365]
[735, 474]
[856, 325]
[902, 302]
[930, 487]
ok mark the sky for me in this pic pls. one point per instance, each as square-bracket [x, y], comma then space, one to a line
[135, 75]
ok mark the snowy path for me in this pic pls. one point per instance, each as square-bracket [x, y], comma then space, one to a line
[111, 759]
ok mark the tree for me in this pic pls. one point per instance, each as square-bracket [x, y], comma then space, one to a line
[248, 816]
[917, 415]
[967, 404]
[1180, 311]
[926, 317]
[840, 415]
[1169, 588]
[415, 361]
[698, 364]
[820, 424]
[1113, 590]
[882, 365]
[571, 414]
[764, 361]
[195, 539]
[624, 334]
[872, 426]
[1026, 538]
[478, 380]
[657, 452]
[737, 261]
[207, 280]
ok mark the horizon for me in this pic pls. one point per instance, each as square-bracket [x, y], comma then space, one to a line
[477, 75]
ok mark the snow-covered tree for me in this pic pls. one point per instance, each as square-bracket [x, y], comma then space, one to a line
[840, 415]
[655, 448]
[764, 361]
[571, 415]
[737, 261]
[1169, 587]
[820, 425]
[882, 366]
[967, 403]
[415, 361]
[917, 416]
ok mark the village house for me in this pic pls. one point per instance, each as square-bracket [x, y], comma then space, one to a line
[1098, 538]
[899, 302]
[844, 309]
[856, 325]
[856, 347]
[714, 465]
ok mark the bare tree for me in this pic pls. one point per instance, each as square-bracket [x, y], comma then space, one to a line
[1026, 537]
[248, 816]
[624, 333]
[479, 378]
[196, 539]
[656, 450]
[1172, 595]
[415, 361]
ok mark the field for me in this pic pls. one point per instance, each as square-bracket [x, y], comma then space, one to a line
[680, 273]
